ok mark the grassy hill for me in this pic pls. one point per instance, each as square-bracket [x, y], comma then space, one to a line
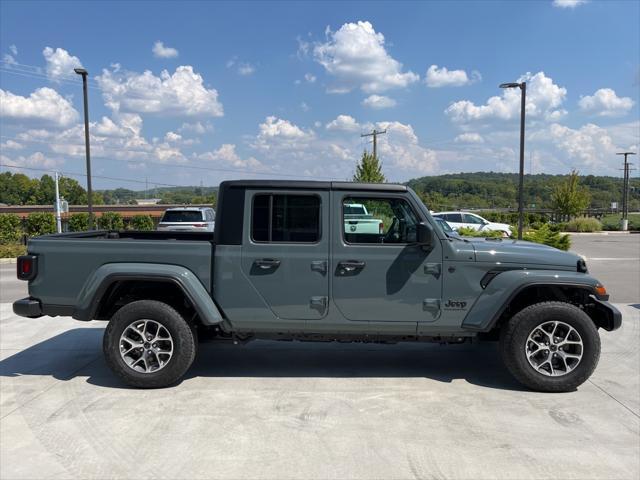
[499, 190]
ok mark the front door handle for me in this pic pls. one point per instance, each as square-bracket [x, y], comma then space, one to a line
[267, 263]
[350, 266]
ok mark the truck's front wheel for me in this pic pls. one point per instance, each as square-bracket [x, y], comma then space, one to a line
[148, 344]
[550, 346]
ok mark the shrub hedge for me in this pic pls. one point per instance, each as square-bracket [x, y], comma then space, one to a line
[40, 223]
[111, 221]
[583, 224]
[10, 228]
[141, 222]
[547, 236]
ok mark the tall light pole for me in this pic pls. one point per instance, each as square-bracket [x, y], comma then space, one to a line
[523, 89]
[84, 73]
[625, 191]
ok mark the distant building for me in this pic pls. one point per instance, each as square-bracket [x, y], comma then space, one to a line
[147, 201]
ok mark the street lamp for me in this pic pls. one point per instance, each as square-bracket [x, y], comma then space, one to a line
[84, 73]
[523, 88]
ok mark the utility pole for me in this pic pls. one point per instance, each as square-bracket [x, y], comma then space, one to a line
[374, 134]
[84, 73]
[58, 219]
[523, 100]
[625, 191]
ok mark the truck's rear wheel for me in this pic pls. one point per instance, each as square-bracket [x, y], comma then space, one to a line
[148, 344]
[550, 346]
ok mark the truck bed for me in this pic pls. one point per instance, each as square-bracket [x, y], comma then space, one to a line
[74, 257]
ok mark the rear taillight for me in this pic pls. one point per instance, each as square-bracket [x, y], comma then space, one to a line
[381, 228]
[201, 225]
[27, 267]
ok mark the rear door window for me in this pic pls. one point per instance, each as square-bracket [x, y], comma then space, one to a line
[468, 218]
[285, 218]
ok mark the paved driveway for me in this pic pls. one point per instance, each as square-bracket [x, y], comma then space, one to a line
[295, 410]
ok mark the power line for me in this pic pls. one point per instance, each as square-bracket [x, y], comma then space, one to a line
[76, 174]
[168, 164]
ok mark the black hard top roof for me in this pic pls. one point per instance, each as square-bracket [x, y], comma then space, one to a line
[313, 185]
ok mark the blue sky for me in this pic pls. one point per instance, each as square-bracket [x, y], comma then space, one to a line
[190, 92]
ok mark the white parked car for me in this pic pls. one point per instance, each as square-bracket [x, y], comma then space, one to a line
[472, 220]
[358, 220]
[188, 219]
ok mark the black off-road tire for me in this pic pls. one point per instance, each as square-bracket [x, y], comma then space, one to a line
[182, 334]
[513, 338]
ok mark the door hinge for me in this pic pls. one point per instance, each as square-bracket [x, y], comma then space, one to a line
[431, 305]
[434, 269]
[319, 266]
[319, 303]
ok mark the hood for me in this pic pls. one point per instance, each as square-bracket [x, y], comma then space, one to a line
[499, 226]
[519, 251]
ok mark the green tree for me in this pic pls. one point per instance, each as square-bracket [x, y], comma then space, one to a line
[369, 169]
[569, 198]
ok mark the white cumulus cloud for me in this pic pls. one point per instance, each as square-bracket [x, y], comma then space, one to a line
[35, 160]
[344, 123]
[227, 153]
[568, 3]
[469, 137]
[400, 149]
[11, 145]
[544, 99]
[606, 103]
[60, 63]
[378, 102]
[182, 93]
[356, 56]
[590, 144]
[44, 105]
[276, 133]
[160, 51]
[443, 77]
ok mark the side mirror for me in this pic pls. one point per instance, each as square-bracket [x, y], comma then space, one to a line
[424, 234]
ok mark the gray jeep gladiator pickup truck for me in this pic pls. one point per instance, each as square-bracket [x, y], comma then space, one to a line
[281, 266]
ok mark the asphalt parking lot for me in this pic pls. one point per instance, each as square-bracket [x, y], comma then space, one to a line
[295, 410]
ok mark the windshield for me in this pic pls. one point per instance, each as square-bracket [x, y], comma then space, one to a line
[444, 225]
[353, 209]
[182, 216]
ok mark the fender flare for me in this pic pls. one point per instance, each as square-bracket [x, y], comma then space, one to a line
[490, 305]
[96, 286]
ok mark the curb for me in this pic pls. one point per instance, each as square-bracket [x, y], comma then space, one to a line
[8, 260]
[610, 232]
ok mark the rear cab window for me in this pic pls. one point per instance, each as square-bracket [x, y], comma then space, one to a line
[285, 218]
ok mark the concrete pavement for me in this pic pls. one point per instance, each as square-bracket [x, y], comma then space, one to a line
[614, 259]
[297, 410]
[11, 288]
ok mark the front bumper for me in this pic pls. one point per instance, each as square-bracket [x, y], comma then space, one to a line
[611, 317]
[28, 307]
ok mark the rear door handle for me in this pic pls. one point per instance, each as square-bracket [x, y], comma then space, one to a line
[267, 263]
[350, 266]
